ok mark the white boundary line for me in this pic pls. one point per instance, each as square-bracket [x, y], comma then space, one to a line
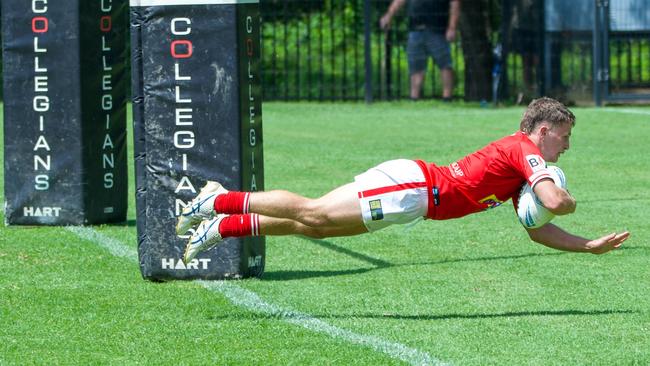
[114, 246]
[251, 301]
[627, 111]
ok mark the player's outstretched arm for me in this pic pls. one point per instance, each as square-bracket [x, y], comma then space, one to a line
[556, 238]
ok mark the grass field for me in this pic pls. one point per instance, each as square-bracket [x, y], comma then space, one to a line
[473, 291]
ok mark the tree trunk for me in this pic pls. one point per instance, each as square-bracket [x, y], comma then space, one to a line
[477, 50]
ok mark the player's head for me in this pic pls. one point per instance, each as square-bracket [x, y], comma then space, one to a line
[548, 110]
[548, 123]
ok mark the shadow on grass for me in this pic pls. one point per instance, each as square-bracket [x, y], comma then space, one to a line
[514, 314]
[452, 316]
[129, 223]
[382, 264]
[614, 199]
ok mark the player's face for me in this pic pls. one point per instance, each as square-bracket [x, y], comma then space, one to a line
[555, 141]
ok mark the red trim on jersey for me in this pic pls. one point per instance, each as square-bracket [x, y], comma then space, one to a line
[536, 177]
[388, 189]
[427, 177]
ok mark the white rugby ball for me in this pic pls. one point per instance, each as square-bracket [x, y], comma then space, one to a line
[532, 214]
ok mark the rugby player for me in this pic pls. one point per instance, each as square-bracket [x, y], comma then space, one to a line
[402, 191]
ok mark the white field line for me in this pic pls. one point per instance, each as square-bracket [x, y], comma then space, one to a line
[114, 246]
[626, 111]
[251, 301]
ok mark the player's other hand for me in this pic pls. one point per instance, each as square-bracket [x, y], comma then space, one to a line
[607, 243]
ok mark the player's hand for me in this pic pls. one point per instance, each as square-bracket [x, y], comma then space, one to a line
[607, 243]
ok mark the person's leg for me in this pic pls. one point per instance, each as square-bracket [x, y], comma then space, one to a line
[417, 62]
[417, 79]
[447, 76]
[275, 226]
[440, 49]
[393, 192]
[338, 208]
[337, 213]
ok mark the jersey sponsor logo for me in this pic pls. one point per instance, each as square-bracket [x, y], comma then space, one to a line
[376, 212]
[456, 170]
[535, 162]
[491, 201]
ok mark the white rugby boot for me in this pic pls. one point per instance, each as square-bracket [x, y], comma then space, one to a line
[205, 237]
[201, 207]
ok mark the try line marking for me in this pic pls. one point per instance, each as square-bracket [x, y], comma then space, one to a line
[251, 301]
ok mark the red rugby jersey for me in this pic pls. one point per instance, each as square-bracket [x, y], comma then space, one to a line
[484, 179]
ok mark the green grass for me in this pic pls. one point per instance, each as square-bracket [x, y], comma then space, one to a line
[472, 291]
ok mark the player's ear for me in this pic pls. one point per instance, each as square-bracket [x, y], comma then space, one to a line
[543, 129]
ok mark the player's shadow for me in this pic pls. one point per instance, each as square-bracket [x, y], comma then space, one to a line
[128, 223]
[513, 314]
[450, 316]
[613, 199]
[378, 264]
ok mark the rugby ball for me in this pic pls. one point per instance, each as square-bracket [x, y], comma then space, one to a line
[532, 214]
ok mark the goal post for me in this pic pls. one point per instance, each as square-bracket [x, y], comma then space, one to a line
[64, 84]
[197, 117]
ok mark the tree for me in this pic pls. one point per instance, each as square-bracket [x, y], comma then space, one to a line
[477, 49]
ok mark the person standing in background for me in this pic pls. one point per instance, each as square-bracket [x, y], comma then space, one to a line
[432, 26]
[525, 26]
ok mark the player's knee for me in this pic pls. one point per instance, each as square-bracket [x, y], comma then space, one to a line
[315, 215]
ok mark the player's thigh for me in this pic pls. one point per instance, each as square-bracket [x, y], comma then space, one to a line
[341, 207]
[280, 226]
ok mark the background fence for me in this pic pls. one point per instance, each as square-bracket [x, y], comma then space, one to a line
[315, 50]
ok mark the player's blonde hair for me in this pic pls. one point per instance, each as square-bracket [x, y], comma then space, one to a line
[545, 109]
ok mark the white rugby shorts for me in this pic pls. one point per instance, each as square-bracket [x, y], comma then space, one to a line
[394, 192]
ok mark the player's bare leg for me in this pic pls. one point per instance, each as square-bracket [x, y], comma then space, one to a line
[278, 212]
[338, 208]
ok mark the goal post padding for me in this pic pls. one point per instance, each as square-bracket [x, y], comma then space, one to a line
[64, 71]
[197, 117]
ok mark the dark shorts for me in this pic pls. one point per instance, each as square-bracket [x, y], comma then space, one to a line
[424, 43]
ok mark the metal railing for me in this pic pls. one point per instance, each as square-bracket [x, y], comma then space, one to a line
[316, 50]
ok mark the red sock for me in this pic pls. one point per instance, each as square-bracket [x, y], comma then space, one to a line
[240, 225]
[232, 203]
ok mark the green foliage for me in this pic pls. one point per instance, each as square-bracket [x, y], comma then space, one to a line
[473, 291]
[314, 55]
